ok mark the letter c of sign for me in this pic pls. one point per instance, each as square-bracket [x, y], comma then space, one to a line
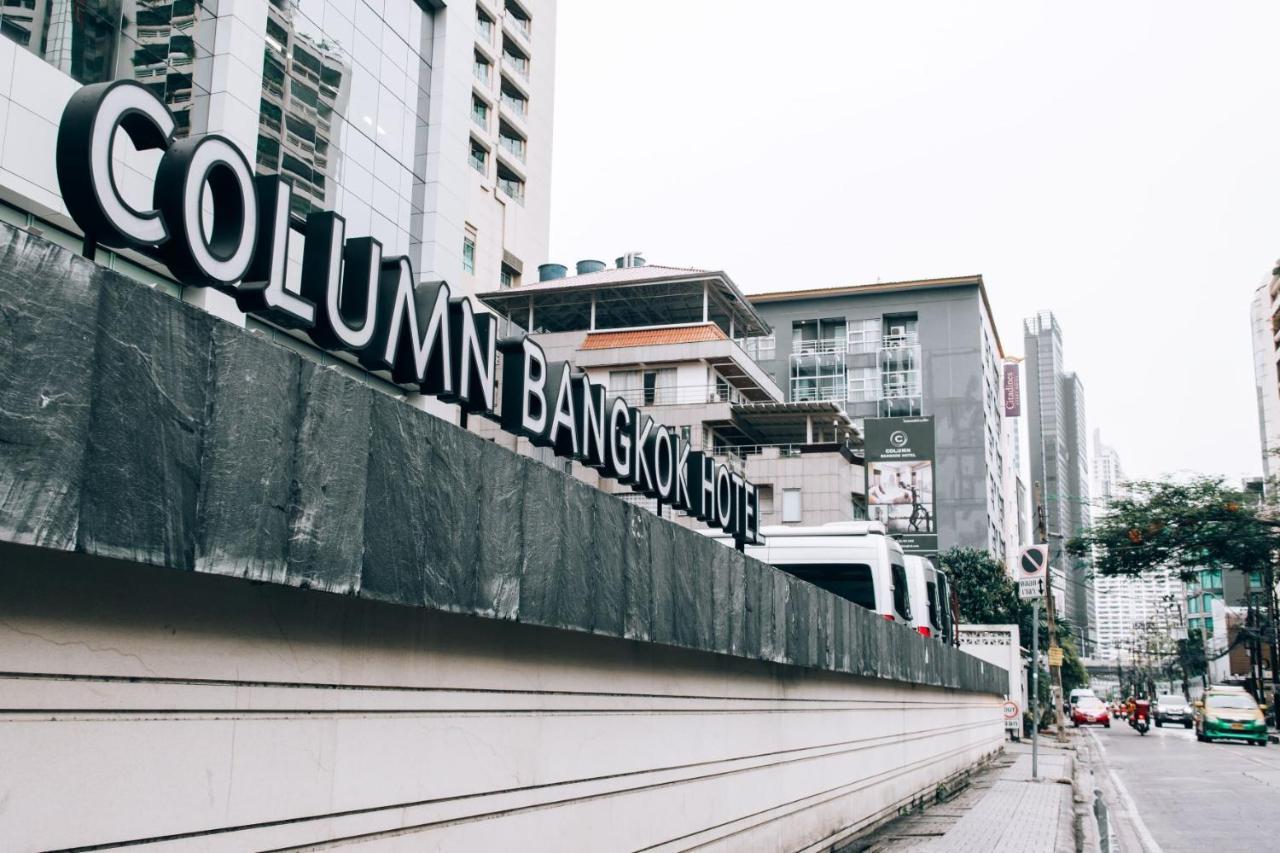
[200, 253]
[86, 175]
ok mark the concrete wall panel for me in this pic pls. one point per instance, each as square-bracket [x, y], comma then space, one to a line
[200, 712]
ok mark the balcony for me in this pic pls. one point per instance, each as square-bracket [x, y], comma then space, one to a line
[512, 144]
[514, 58]
[481, 71]
[517, 106]
[678, 395]
[484, 29]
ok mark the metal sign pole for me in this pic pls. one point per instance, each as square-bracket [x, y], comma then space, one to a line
[1035, 688]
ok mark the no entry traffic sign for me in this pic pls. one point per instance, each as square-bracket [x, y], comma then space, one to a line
[1033, 569]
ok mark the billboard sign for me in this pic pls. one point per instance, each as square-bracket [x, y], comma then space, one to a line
[349, 297]
[1011, 390]
[900, 480]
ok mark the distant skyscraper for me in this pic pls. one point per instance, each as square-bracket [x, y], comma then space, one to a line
[1264, 316]
[1122, 603]
[1060, 461]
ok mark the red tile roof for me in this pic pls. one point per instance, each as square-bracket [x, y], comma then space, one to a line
[651, 337]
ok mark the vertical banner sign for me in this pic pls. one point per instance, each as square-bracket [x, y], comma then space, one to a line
[1012, 389]
[900, 480]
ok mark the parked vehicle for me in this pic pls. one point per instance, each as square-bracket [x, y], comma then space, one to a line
[852, 559]
[1140, 717]
[1171, 708]
[1090, 711]
[950, 609]
[1074, 696]
[1229, 713]
[922, 580]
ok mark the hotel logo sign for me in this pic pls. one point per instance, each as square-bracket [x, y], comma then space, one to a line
[351, 298]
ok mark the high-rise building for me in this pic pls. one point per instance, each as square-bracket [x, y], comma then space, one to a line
[1264, 322]
[423, 124]
[1060, 463]
[925, 347]
[1121, 604]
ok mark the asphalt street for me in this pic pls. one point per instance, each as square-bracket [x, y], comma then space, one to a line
[1178, 795]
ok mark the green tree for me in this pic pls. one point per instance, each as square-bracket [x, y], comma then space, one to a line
[1183, 526]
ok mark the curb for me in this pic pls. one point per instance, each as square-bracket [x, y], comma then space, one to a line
[1089, 811]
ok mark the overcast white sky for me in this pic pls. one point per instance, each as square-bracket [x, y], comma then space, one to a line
[1116, 162]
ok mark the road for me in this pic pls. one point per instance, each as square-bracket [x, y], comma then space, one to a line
[1189, 796]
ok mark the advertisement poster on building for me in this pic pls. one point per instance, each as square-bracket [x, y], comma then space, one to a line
[900, 487]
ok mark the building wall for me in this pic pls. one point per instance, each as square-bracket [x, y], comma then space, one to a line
[1266, 379]
[213, 713]
[955, 379]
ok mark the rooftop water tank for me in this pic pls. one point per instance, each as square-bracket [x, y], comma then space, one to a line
[630, 259]
[587, 266]
[551, 272]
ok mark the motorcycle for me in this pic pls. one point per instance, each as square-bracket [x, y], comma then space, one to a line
[1140, 719]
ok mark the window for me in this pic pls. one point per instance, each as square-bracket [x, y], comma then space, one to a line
[484, 27]
[901, 597]
[514, 100]
[686, 433]
[480, 68]
[864, 335]
[1208, 626]
[1193, 604]
[1207, 603]
[515, 57]
[644, 387]
[510, 141]
[519, 18]
[932, 592]
[852, 581]
[508, 277]
[479, 157]
[864, 384]
[826, 335]
[479, 112]
[790, 506]
[765, 495]
[511, 184]
[469, 251]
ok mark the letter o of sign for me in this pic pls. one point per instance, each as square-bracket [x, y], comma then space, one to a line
[85, 150]
[218, 256]
[724, 498]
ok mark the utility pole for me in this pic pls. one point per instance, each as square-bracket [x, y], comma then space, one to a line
[1055, 672]
[1035, 688]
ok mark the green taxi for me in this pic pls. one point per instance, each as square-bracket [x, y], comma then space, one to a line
[1229, 713]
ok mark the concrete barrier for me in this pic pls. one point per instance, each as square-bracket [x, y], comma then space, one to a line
[510, 658]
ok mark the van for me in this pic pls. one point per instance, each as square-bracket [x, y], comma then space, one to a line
[855, 560]
[922, 580]
[950, 613]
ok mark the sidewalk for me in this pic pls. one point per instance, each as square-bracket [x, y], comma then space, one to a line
[1002, 811]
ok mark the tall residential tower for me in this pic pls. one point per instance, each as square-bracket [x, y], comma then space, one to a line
[424, 124]
[1060, 462]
